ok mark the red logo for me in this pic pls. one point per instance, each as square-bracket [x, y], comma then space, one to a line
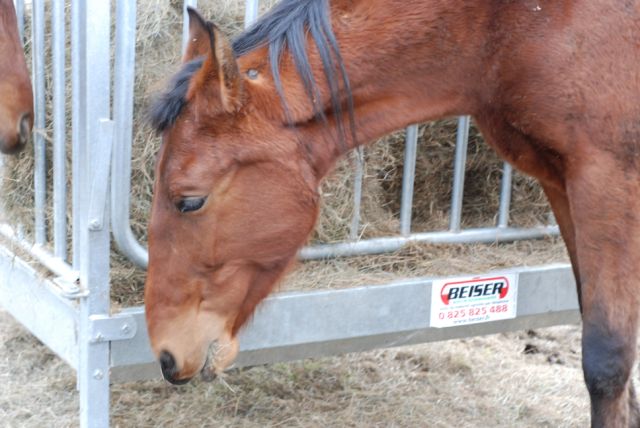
[479, 287]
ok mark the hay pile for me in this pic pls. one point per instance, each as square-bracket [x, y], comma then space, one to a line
[158, 47]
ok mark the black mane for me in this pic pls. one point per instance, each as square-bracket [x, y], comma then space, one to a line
[285, 26]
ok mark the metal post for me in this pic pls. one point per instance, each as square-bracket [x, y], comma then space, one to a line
[408, 178]
[93, 367]
[462, 138]
[505, 195]
[40, 176]
[185, 22]
[59, 132]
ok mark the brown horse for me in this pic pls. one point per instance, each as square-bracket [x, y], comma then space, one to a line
[16, 97]
[251, 127]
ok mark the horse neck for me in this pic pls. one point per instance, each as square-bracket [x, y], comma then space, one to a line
[408, 61]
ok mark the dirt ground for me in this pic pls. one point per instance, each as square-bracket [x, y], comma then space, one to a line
[478, 382]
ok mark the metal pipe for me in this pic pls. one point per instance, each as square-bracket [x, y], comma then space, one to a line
[408, 178]
[19, 5]
[462, 138]
[185, 22]
[390, 244]
[357, 193]
[40, 174]
[251, 12]
[78, 125]
[53, 263]
[59, 132]
[505, 195]
[124, 65]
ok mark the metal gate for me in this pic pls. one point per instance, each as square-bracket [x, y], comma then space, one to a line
[68, 307]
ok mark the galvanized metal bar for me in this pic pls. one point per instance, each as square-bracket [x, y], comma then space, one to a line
[251, 12]
[505, 195]
[79, 139]
[37, 304]
[354, 231]
[408, 178]
[185, 22]
[390, 244]
[462, 138]
[40, 173]
[59, 131]
[318, 323]
[19, 5]
[93, 367]
[123, 117]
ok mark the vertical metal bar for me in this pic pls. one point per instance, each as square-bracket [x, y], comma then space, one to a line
[40, 174]
[93, 367]
[462, 138]
[408, 178]
[357, 193]
[78, 123]
[59, 132]
[251, 12]
[19, 5]
[505, 195]
[185, 22]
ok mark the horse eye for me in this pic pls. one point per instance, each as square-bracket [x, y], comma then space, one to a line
[190, 204]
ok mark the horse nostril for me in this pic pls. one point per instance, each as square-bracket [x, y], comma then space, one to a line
[167, 364]
[169, 369]
[25, 128]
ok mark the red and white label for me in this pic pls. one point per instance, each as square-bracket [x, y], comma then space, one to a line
[473, 300]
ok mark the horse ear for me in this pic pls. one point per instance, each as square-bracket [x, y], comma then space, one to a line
[199, 43]
[220, 66]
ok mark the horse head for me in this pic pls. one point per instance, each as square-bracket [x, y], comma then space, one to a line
[234, 198]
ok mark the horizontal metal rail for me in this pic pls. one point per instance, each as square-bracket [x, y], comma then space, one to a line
[295, 325]
[390, 244]
[309, 324]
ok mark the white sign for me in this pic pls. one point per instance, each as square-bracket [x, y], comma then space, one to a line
[472, 300]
